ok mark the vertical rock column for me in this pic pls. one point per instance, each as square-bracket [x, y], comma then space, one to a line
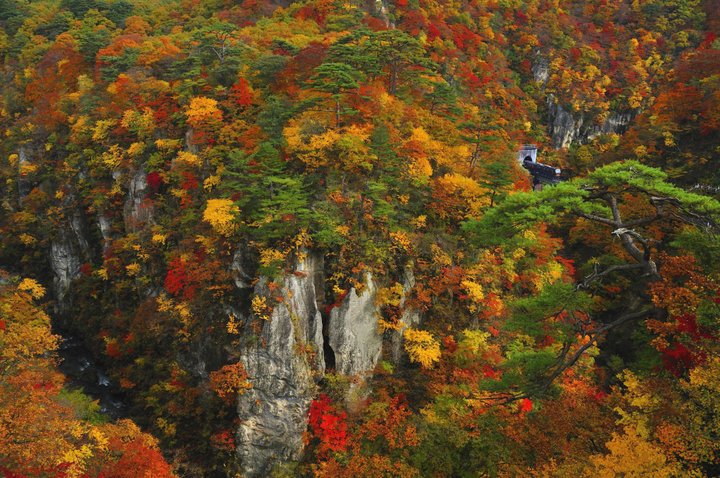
[68, 250]
[410, 317]
[280, 363]
[353, 331]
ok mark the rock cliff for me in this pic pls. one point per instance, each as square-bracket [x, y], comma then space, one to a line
[567, 128]
[69, 249]
[353, 331]
[282, 362]
[138, 210]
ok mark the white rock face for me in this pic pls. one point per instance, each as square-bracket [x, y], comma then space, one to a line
[243, 280]
[190, 141]
[281, 369]
[67, 252]
[105, 226]
[24, 186]
[380, 8]
[410, 317]
[540, 68]
[138, 210]
[65, 263]
[353, 332]
[566, 129]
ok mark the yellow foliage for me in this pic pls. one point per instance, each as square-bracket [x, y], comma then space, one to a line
[401, 240]
[113, 157]
[183, 310]
[311, 142]
[419, 168]
[637, 393]
[136, 149]
[202, 110]
[353, 148]
[296, 31]
[343, 230]
[641, 151]
[300, 243]
[168, 144]
[420, 222]
[707, 375]
[76, 458]
[27, 168]
[103, 273]
[164, 303]
[233, 326]
[268, 256]
[168, 428]
[317, 145]
[211, 182]
[133, 269]
[421, 347]
[187, 158]
[474, 291]
[31, 286]
[220, 213]
[385, 325]
[460, 196]
[390, 295]
[158, 238]
[27, 239]
[631, 456]
[102, 128]
[474, 340]
[25, 335]
[260, 307]
[669, 139]
[642, 402]
[142, 124]
[439, 256]
[548, 275]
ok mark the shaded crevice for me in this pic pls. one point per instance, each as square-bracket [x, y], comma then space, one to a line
[328, 352]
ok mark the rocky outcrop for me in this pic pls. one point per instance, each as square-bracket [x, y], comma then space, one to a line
[240, 268]
[68, 250]
[105, 226]
[190, 143]
[353, 331]
[380, 9]
[282, 362]
[138, 209]
[410, 316]
[541, 68]
[566, 128]
[24, 186]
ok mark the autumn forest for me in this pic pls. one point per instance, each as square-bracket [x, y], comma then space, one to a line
[276, 238]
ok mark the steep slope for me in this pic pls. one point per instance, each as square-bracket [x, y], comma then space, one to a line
[294, 231]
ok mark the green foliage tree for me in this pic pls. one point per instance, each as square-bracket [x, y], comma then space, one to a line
[338, 79]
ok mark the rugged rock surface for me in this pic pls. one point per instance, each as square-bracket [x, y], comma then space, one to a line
[353, 331]
[566, 128]
[280, 363]
[541, 68]
[68, 251]
[410, 317]
[24, 186]
[138, 209]
[240, 268]
[380, 9]
[105, 226]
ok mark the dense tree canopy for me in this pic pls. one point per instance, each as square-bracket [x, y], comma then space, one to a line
[177, 156]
